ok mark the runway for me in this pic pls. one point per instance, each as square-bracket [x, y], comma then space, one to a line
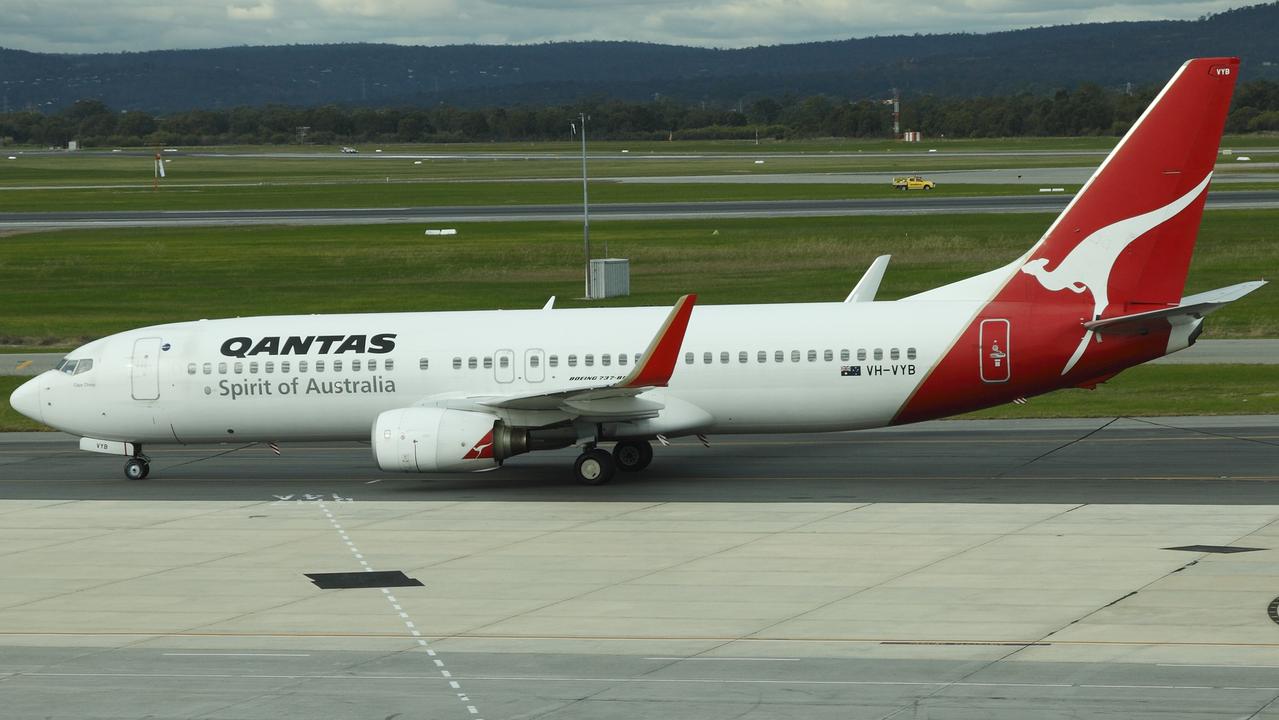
[894, 205]
[955, 569]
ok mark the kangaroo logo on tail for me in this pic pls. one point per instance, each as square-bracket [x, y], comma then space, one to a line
[1089, 264]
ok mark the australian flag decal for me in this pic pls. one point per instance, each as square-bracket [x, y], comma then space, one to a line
[851, 371]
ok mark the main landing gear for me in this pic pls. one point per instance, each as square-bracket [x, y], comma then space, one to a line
[138, 466]
[596, 467]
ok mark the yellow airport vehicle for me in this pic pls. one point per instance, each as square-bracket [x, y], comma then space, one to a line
[913, 182]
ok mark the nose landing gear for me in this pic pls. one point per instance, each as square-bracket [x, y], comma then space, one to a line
[138, 466]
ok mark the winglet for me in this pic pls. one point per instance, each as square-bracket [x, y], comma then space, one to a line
[659, 359]
[550, 304]
[866, 288]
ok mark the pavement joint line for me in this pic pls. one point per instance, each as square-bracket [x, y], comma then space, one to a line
[391, 600]
[653, 680]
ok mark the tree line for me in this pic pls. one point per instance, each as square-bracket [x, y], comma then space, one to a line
[1086, 110]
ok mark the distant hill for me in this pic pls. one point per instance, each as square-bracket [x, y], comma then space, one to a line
[1034, 60]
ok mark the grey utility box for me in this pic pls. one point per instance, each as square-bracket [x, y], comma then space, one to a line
[610, 277]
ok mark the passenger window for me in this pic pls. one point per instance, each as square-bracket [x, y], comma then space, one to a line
[269, 365]
[534, 361]
[708, 358]
[337, 366]
[191, 369]
[553, 361]
[779, 356]
[762, 356]
[504, 361]
[812, 355]
[472, 363]
[637, 357]
[355, 365]
[910, 353]
[301, 366]
[457, 363]
[373, 365]
[688, 358]
[389, 364]
[488, 363]
[794, 356]
[828, 355]
[843, 355]
[208, 368]
[621, 358]
[284, 366]
[319, 366]
[606, 359]
[239, 368]
[723, 357]
[895, 354]
[222, 368]
[742, 357]
[879, 353]
[253, 368]
[572, 361]
[589, 360]
[861, 354]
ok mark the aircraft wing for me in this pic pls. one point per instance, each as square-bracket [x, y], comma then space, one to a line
[615, 401]
[1190, 308]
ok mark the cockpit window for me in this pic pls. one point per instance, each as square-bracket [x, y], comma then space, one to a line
[74, 367]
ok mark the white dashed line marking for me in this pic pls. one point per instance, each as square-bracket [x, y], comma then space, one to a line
[395, 605]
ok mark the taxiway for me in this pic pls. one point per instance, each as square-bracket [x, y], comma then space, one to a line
[1001, 569]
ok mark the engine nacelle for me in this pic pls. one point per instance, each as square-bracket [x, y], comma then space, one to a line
[423, 439]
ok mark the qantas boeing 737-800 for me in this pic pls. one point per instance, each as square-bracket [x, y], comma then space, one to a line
[456, 391]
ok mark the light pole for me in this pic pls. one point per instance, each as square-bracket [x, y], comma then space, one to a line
[586, 207]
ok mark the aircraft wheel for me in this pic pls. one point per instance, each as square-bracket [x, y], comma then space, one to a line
[136, 469]
[594, 467]
[632, 455]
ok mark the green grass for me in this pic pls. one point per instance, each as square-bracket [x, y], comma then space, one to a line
[64, 287]
[1160, 390]
[1140, 391]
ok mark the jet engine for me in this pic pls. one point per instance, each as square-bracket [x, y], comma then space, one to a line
[423, 439]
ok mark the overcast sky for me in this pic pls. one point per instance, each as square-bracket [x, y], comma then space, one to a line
[114, 25]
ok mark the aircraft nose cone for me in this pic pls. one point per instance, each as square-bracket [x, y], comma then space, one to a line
[26, 399]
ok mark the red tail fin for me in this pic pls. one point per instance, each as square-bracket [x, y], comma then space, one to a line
[1128, 235]
[1122, 246]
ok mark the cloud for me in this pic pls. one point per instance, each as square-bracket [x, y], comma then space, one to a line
[95, 26]
[261, 11]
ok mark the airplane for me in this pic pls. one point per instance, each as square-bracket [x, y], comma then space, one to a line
[1100, 292]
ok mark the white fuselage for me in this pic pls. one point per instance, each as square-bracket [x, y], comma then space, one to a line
[175, 383]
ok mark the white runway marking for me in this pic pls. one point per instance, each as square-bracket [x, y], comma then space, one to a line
[399, 609]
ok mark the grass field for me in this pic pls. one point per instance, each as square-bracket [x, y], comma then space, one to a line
[1141, 391]
[510, 173]
[68, 286]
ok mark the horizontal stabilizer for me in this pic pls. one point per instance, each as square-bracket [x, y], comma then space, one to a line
[866, 288]
[1190, 308]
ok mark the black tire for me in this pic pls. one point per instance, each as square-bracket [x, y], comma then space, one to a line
[594, 467]
[632, 455]
[135, 469]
